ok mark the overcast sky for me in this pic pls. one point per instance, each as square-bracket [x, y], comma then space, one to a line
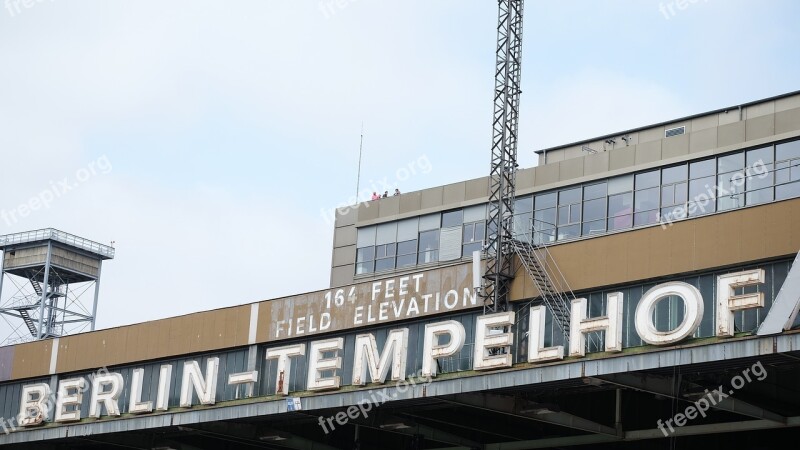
[214, 133]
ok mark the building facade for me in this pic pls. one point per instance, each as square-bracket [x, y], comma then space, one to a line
[676, 241]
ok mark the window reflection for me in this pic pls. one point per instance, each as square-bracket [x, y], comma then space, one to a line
[620, 207]
[730, 181]
[787, 170]
[428, 246]
[406, 253]
[751, 177]
[474, 234]
[569, 213]
[365, 260]
[760, 176]
[385, 256]
[544, 218]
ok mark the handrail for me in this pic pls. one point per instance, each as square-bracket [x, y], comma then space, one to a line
[58, 236]
[23, 302]
[562, 291]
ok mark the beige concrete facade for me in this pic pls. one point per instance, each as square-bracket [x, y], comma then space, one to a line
[705, 135]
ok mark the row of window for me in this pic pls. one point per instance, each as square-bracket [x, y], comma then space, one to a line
[420, 240]
[661, 195]
[425, 249]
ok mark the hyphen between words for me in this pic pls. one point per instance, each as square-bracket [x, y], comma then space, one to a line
[492, 333]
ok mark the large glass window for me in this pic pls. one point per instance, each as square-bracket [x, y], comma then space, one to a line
[620, 202]
[760, 176]
[730, 181]
[674, 192]
[569, 213]
[646, 197]
[452, 218]
[619, 211]
[544, 218]
[406, 253]
[702, 195]
[594, 208]
[365, 260]
[428, 246]
[385, 256]
[474, 234]
[523, 215]
[787, 170]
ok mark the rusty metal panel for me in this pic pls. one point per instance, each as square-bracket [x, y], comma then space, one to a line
[31, 359]
[367, 304]
[206, 331]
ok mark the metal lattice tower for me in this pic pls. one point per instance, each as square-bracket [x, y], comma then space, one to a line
[505, 123]
[51, 274]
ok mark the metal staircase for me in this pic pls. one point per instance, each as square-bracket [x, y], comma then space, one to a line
[553, 287]
[24, 306]
[36, 286]
[28, 322]
[548, 279]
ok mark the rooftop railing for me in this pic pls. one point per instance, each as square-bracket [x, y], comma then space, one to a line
[58, 236]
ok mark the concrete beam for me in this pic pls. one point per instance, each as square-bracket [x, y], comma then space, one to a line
[257, 434]
[639, 435]
[663, 386]
[505, 404]
[430, 433]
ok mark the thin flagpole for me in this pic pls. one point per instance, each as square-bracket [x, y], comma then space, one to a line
[360, 148]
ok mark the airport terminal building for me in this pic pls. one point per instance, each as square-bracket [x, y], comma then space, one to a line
[674, 246]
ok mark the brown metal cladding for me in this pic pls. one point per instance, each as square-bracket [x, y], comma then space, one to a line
[204, 331]
[731, 238]
[31, 359]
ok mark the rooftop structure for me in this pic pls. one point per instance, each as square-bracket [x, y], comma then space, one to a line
[46, 275]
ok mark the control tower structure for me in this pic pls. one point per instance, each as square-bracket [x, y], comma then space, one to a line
[49, 283]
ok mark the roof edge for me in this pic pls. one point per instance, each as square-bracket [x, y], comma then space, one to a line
[693, 116]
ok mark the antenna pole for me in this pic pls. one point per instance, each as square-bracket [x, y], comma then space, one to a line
[360, 148]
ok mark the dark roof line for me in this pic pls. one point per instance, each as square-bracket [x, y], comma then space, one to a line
[634, 130]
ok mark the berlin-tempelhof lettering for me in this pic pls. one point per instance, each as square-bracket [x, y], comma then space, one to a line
[493, 340]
